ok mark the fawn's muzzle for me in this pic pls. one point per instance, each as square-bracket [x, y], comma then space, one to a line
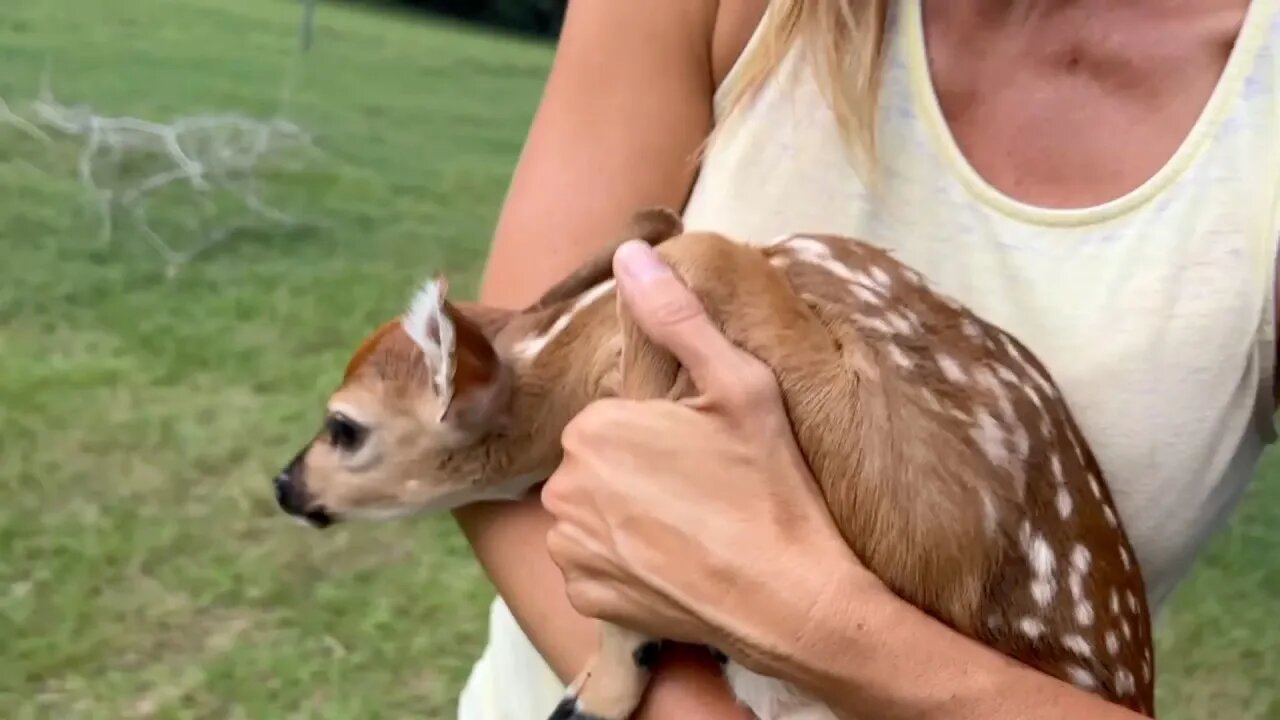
[292, 496]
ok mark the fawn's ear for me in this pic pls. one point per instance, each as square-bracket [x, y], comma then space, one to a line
[469, 379]
[433, 331]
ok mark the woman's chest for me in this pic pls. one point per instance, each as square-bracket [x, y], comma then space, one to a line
[1075, 107]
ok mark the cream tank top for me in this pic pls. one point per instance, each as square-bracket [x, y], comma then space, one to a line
[1153, 312]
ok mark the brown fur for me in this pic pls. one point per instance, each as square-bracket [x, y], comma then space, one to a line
[925, 499]
[367, 347]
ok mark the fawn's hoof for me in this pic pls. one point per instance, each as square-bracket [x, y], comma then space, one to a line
[568, 710]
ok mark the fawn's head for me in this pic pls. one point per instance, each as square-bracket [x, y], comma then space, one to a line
[425, 417]
[405, 430]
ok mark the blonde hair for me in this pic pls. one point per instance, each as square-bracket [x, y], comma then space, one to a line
[844, 41]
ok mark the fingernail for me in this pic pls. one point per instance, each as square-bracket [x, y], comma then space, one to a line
[639, 263]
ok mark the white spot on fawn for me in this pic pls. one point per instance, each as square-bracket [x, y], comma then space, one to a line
[1084, 613]
[972, 330]
[1021, 442]
[863, 279]
[990, 515]
[1075, 445]
[874, 324]
[1095, 486]
[1124, 682]
[1030, 369]
[1077, 644]
[1110, 515]
[881, 277]
[911, 317]
[1043, 590]
[1064, 503]
[951, 369]
[1031, 627]
[1040, 557]
[990, 438]
[898, 356]
[530, 347]
[1008, 376]
[865, 295]
[1113, 642]
[899, 323]
[1080, 558]
[818, 253]
[1081, 678]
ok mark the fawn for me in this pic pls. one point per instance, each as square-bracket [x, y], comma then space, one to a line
[945, 452]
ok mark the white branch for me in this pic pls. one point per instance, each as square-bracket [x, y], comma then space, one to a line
[12, 118]
[216, 156]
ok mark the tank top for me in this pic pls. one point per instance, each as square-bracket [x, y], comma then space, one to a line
[1154, 312]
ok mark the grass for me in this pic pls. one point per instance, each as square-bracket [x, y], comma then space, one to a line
[145, 571]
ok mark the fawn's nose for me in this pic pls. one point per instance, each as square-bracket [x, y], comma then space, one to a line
[288, 497]
[292, 497]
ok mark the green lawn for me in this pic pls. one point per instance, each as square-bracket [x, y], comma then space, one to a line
[145, 570]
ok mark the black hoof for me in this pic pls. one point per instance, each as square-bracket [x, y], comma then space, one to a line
[568, 710]
[646, 656]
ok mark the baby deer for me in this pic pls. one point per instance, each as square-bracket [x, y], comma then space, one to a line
[945, 452]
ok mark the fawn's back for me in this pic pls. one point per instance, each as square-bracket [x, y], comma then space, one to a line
[948, 457]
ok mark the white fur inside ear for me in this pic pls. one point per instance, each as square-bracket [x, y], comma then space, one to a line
[429, 326]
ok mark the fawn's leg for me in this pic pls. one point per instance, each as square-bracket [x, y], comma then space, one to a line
[611, 686]
[615, 678]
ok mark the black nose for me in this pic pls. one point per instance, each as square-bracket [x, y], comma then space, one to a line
[287, 495]
[293, 500]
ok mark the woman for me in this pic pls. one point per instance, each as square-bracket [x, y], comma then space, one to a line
[1101, 179]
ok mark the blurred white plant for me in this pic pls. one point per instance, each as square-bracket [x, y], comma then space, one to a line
[127, 163]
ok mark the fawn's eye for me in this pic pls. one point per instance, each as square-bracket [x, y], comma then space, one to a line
[344, 433]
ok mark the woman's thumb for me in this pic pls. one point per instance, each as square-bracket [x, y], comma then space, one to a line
[671, 315]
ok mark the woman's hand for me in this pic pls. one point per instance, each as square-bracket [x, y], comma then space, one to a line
[696, 521]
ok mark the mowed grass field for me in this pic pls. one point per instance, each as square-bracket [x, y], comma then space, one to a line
[144, 569]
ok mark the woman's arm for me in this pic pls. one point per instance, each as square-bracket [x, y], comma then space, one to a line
[648, 538]
[626, 106]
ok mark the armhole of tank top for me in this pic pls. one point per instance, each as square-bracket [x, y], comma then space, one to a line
[1266, 346]
[1268, 258]
[721, 94]
[1269, 255]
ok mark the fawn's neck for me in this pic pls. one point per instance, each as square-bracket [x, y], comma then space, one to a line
[562, 358]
